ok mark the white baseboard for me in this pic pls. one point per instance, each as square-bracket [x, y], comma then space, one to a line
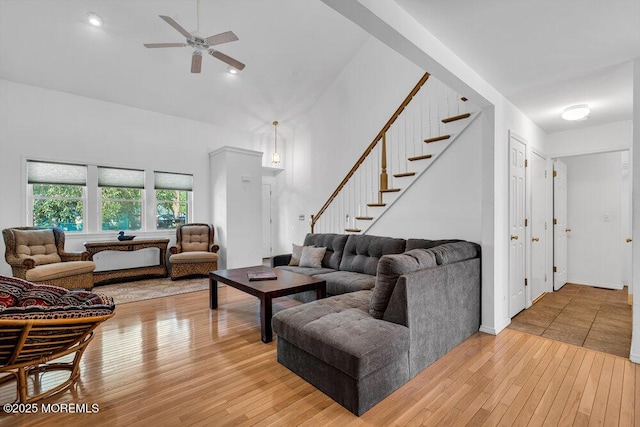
[617, 287]
[494, 330]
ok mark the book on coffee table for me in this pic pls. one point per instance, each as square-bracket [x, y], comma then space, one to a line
[261, 275]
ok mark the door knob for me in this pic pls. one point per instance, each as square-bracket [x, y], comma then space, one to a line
[514, 237]
[535, 239]
[567, 230]
[629, 240]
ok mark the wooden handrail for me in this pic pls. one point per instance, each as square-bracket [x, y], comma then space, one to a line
[383, 131]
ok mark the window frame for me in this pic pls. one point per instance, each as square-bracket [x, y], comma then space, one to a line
[92, 198]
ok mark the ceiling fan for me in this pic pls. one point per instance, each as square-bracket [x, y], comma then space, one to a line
[201, 45]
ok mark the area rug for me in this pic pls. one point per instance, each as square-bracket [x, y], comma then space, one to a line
[139, 290]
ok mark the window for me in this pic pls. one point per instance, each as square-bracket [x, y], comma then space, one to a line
[120, 198]
[92, 198]
[173, 199]
[57, 194]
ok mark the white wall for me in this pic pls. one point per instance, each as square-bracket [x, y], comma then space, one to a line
[236, 180]
[45, 124]
[595, 139]
[446, 201]
[594, 207]
[395, 27]
[328, 140]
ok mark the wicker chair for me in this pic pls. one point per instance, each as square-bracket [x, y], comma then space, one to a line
[194, 253]
[40, 324]
[38, 255]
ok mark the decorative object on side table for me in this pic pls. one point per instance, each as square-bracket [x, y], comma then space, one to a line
[122, 236]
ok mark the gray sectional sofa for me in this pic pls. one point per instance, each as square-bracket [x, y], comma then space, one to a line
[373, 334]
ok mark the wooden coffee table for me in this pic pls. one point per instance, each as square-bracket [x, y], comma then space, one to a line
[287, 283]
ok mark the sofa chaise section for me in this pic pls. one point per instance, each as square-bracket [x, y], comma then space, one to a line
[359, 347]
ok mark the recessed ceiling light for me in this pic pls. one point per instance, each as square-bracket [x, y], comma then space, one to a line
[232, 70]
[94, 19]
[576, 112]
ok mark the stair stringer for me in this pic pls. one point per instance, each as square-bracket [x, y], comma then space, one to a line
[393, 198]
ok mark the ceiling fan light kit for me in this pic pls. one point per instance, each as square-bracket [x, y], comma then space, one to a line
[201, 45]
[94, 19]
[576, 112]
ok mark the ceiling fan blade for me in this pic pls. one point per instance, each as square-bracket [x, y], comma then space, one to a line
[226, 37]
[196, 62]
[226, 58]
[154, 45]
[177, 26]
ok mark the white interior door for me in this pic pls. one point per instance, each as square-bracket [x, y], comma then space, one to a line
[538, 226]
[266, 220]
[517, 155]
[560, 228]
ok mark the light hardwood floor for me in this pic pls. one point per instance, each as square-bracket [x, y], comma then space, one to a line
[172, 361]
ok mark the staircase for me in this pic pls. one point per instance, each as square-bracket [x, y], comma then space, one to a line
[429, 120]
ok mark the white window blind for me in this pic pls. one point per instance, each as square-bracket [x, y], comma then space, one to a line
[173, 181]
[121, 178]
[56, 173]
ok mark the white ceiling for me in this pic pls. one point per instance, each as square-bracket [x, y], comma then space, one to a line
[542, 55]
[293, 50]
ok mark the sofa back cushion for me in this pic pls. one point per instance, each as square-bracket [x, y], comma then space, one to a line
[390, 268]
[333, 242]
[454, 252]
[194, 238]
[40, 245]
[362, 252]
[426, 244]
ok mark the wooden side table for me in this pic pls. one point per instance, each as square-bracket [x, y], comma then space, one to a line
[159, 270]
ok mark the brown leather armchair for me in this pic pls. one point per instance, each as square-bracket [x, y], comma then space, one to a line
[38, 255]
[194, 253]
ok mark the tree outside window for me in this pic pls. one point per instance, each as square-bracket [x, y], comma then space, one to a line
[58, 206]
[172, 208]
[57, 194]
[121, 198]
[121, 209]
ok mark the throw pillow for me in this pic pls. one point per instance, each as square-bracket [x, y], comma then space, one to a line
[296, 253]
[312, 257]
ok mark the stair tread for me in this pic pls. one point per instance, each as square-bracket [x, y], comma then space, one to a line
[426, 156]
[401, 175]
[437, 138]
[454, 118]
[352, 230]
[376, 204]
[364, 218]
[390, 190]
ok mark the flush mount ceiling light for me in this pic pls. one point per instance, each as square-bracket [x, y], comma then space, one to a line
[94, 19]
[576, 112]
[232, 70]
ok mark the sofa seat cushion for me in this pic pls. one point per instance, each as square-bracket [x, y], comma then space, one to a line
[340, 332]
[191, 257]
[59, 270]
[342, 282]
[307, 271]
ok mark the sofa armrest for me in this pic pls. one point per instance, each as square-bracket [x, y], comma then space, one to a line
[441, 307]
[25, 263]
[280, 260]
[74, 256]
